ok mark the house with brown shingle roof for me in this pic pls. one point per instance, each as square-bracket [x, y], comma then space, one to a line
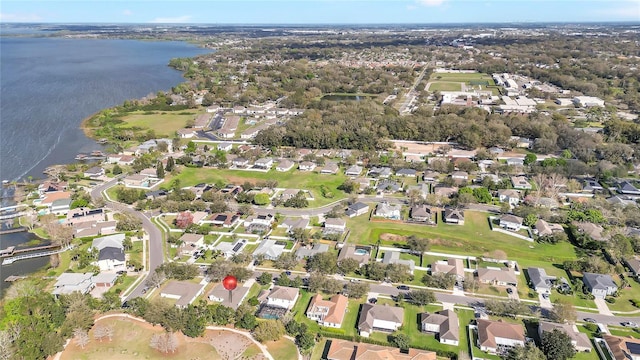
[184, 292]
[283, 297]
[497, 337]
[501, 277]
[330, 312]
[379, 318]
[622, 348]
[580, 341]
[347, 350]
[443, 323]
[450, 266]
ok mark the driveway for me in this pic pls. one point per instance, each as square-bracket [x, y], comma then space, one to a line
[603, 309]
[545, 303]
[514, 294]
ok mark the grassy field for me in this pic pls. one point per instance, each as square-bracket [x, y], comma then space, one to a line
[445, 86]
[623, 301]
[282, 349]
[473, 238]
[165, 124]
[460, 77]
[131, 340]
[292, 179]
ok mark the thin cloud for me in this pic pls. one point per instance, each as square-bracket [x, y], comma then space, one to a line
[4, 17]
[172, 20]
[127, 12]
[430, 2]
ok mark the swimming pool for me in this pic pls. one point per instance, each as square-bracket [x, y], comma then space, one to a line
[360, 252]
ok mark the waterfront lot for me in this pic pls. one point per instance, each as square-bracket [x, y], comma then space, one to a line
[164, 123]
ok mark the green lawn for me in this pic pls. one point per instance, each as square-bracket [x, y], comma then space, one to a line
[165, 124]
[445, 86]
[473, 238]
[623, 301]
[460, 77]
[318, 349]
[136, 252]
[292, 179]
[123, 284]
[282, 349]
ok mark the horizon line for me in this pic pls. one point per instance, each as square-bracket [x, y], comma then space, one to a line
[629, 22]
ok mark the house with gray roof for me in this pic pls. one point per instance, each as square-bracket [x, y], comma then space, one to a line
[388, 186]
[184, 292]
[357, 209]
[511, 222]
[442, 323]
[382, 172]
[383, 318]
[221, 295]
[306, 252]
[393, 257]
[68, 283]
[423, 188]
[540, 281]
[510, 196]
[627, 188]
[600, 285]
[329, 168]
[453, 216]
[422, 213]
[580, 341]
[406, 172]
[360, 253]
[389, 211]
[634, 266]
[354, 170]
[270, 249]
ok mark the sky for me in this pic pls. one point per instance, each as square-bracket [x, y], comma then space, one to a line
[318, 11]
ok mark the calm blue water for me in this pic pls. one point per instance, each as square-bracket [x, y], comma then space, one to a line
[47, 86]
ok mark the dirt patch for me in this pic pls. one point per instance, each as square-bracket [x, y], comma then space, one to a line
[417, 148]
[229, 345]
[443, 242]
[392, 237]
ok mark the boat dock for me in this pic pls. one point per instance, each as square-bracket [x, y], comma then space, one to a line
[31, 255]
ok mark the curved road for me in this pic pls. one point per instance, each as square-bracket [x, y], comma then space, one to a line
[156, 255]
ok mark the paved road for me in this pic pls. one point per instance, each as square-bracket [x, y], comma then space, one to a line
[156, 256]
[324, 209]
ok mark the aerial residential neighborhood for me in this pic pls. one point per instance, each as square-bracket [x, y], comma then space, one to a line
[451, 194]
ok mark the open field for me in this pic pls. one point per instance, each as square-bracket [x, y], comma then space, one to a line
[165, 124]
[292, 179]
[282, 349]
[460, 77]
[444, 86]
[473, 238]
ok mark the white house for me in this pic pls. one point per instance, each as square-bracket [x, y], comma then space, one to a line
[520, 182]
[600, 285]
[285, 165]
[511, 222]
[94, 172]
[389, 211]
[264, 163]
[283, 297]
[512, 197]
[443, 323]
[335, 225]
[329, 313]
[110, 252]
[225, 146]
[306, 166]
[186, 133]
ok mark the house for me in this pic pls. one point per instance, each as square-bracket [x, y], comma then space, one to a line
[271, 249]
[354, 170]
[104, 280]
[283, 297]
[190, 243]
[626, 188]
[444, 324]
[240, 162]
[540, 281]
[289, 194]
[258, 222]
[452, 266]
[357, 209]
[347, 350]
[230, 248]
[511, 222]
[110, 252]
[580, 341]
[588, 101]
[380, 172]
[94, 172]
[226, 133]
[519, 162]
[496, 337]
[600, 285]
[50, 197]
[500, 277]
[186, 133]
[202, 121]
[407, 173]
[496, 151]
[264, 163]
[393, 257]
[225, 146]
[80, 215]
[389, 211]
[363, 183]
[334, 225]
[360, 253]
[52, 187]
[184, 292]
[221, 295]
[306, 252]
[592, 230]
[460, 176]
[547, 202]
[291, 224]
[621, 201]
[453, 216]
[136, 181]
[423, 189]
[520, 182]
[68, 283]
[94, 228]
[306, 166]
[591, 186]
[329, 168]
[226, 220]
[388, 186]
[445, 191]
[126, 160]
[60, 207]
[512, 197]
[622, 348]
[422, 213]
[430, 176]
[634, 266]
[285, 165]
[543, 228]
[329, 313]
[379, 318]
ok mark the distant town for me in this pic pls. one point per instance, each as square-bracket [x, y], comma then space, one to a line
[377, 192]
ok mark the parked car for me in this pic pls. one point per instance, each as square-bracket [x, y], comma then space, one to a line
[545, 296]
[403, 287]
[629, 324]
[590, 320]
[373, 301]
[509, 291]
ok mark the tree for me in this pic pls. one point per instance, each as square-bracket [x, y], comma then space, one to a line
[184, 219]
[421, 297]
[557, 345]
[127, 222]
[400, 340]
[305, 341]
[527, 352]
[530, 220]
[270, 330]
[323, 263]
[103, 331]
[375, 271]
[439, 280]
[165, 343]
[348, 265]
[398, 273]
[530, 158]
[117, 170]
[357, 289]
[264, 278]
[286, 261]
[159, 170]
[563, 311]
[170, 164]
[261, 199]
[81, 337]
[247, 321]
